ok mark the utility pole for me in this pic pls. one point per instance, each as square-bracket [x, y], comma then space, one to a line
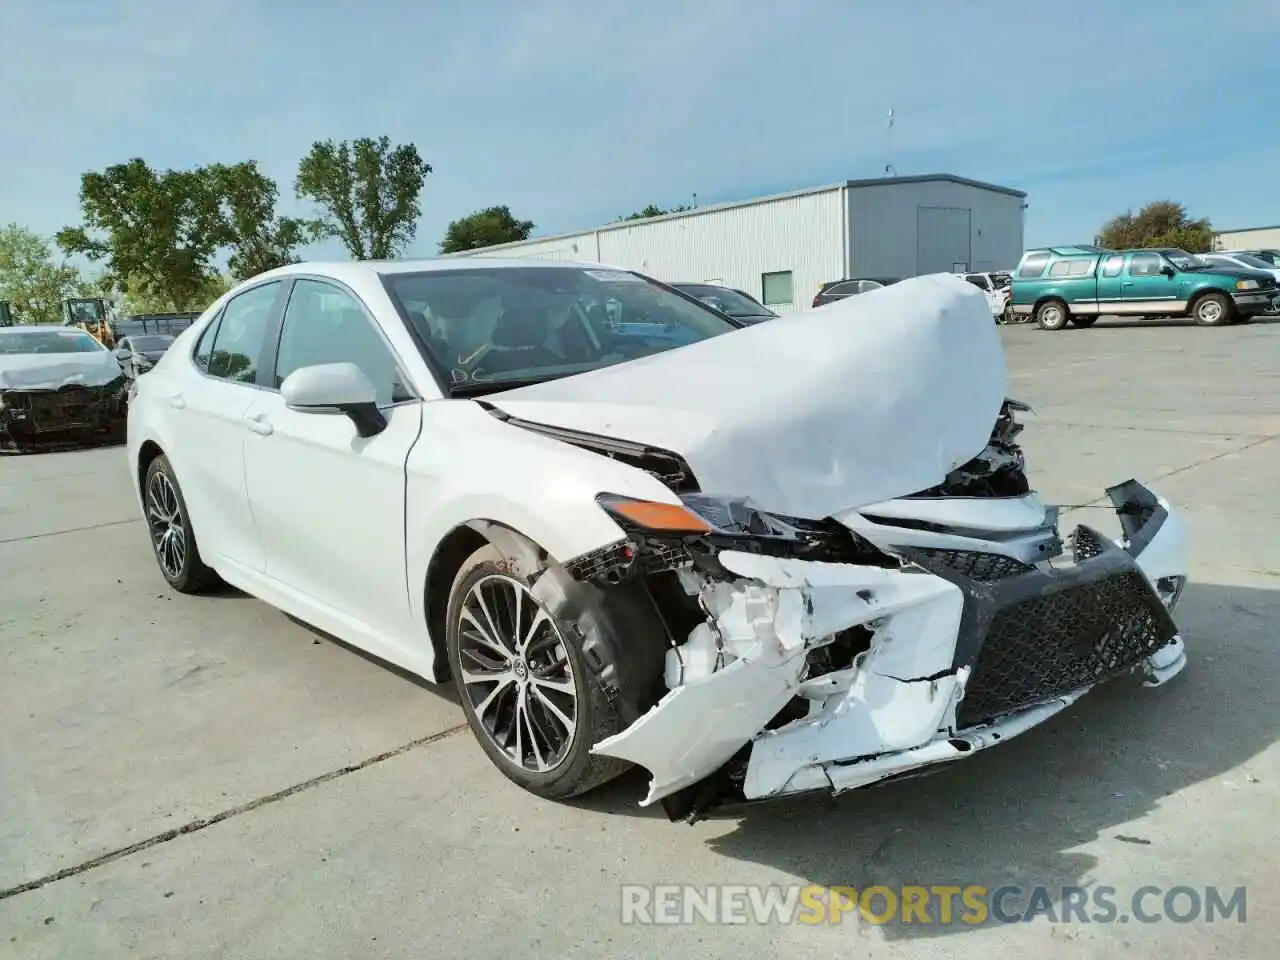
[888, 167]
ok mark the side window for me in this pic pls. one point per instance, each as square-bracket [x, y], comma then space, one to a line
[846, 289]
[241, 332]
[325, 324]
[204, 346]
[1113, 266]
[866, 286]
[1060, 269]
[1033, 266]
[1081, 268]
[1144, 265]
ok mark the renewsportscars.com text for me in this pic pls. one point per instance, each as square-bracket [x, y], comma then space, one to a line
[971, 904]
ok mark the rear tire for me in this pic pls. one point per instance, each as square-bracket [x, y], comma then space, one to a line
[542, 712]
[1083, 322]
[173, 541]
[1052, 315]
[1213, 310]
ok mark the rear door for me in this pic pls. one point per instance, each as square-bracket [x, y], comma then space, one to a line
[208, 430]
[330, 504]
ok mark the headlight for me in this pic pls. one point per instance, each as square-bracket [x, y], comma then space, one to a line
[1246, 284]
[697, 514]
[1170, 590]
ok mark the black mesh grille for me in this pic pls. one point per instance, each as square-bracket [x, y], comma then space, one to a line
[1085, 545]
[1054, 643]
[983, 567]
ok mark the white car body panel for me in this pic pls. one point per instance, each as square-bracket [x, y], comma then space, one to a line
[843, 412]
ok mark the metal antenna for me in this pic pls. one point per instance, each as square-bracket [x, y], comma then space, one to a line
[888, 167]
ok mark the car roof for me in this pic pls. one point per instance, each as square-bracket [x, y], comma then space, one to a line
[340, 269]
[41, 328]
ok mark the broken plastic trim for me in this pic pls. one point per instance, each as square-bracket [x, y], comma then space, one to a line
[668, 467]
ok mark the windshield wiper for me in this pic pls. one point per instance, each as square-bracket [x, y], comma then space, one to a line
[478, 388]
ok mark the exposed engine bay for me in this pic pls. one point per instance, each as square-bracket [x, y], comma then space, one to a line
[801, 654]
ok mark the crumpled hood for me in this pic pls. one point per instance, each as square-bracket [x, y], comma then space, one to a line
[863, 400]
[49, 371]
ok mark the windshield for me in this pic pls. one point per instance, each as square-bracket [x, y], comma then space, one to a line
[495, 327]
[1263, 259]
[150, 343]
[1185, 261]
[86, 311]
[13, 342]
[732, 302]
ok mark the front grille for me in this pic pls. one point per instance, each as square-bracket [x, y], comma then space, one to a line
[63, 408]
[983, 567]
[1054, 643]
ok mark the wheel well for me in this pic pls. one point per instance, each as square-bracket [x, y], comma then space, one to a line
[460, 543]
[149, 451]
[1050, 299]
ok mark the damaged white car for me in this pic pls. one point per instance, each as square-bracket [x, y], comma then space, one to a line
[632, 533]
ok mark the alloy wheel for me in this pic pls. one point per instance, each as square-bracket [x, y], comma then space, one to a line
[517, 673]
[168, 532]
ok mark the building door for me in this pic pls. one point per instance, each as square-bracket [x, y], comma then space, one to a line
[942, 238]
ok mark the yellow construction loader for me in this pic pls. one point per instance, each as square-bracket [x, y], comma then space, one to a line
[90, 315]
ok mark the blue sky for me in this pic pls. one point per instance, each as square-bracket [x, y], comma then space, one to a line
[574, 113]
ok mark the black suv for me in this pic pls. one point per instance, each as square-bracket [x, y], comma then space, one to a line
[839, 289]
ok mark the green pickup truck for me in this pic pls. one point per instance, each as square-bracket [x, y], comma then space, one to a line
[1057, 285]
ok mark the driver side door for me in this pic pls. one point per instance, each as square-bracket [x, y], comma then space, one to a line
[330, 504]
[1148, 288]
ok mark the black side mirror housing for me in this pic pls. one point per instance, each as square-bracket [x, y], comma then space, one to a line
[1168, 271]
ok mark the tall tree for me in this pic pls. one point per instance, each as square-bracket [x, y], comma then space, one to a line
[30, 278]
[653, 210]
[485, 228]
[367, 191]
[158, 231]
[1159, 224]
[259, 240]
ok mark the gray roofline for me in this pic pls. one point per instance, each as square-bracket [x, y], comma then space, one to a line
[1218, 233]
[937, 178]
[754, 201]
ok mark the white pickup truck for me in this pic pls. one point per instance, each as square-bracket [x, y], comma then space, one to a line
[996, 286]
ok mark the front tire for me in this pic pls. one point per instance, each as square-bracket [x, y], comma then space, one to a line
[1052, 315]
[173, 541]
[523, 683]
[1212, 310]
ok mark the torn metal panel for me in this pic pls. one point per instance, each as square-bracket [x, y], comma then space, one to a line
[861, 431]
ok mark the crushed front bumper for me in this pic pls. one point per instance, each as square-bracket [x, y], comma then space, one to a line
[963, 650]
[60, 419]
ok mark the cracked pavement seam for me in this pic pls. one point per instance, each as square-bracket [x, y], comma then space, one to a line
[201, 823]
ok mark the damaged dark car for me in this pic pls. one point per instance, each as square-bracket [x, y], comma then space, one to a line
[59, 388]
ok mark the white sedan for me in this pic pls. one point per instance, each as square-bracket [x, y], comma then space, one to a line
[756, 561]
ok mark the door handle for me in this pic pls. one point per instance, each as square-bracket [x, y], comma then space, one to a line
[259, 424]
[1126, 283]
[177, 401]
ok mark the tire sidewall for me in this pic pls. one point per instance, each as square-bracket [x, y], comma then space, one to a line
[1223, 318]
[590, 700]
[1046, 310]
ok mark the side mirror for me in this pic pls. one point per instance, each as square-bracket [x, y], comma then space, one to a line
[335, 388]
[123, 353]
[1168, 271]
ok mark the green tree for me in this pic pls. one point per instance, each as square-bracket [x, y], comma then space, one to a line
[141, 300]
[31, 279]
[485, 228]
[157, 233]
[367, 191]
[652, 210]
[1159, 224]
[258, 239]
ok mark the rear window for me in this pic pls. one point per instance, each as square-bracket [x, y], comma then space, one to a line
[1033, 265]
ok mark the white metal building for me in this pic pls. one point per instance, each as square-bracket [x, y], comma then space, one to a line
[781, 249]
[1250, 238]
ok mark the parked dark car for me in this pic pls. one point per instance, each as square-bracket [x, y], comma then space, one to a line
[730, 301]
[139, 354]
[839, 289]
